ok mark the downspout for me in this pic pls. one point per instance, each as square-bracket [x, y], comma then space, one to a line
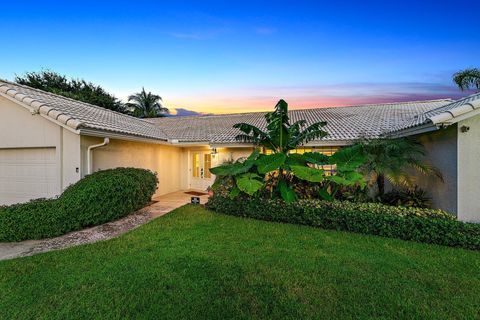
[89, 153]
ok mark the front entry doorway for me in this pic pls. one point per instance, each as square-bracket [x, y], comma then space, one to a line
[200, 164]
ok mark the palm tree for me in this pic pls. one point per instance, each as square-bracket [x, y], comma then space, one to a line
[395, 160]
[280, 136]
[467, 79]
[146, 105]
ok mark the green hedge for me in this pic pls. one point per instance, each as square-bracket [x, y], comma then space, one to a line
[98, 198]
[415, 224]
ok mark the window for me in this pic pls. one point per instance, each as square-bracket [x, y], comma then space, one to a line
[207, 164]
[301, 150]
[327, 150]
[196, 165]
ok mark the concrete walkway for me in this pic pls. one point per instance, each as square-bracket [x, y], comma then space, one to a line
[163, 205]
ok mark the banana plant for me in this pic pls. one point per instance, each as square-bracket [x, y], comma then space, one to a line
[347, 162]
[281, 137]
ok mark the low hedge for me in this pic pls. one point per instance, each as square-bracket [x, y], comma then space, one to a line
[415, 224]
[98, 198]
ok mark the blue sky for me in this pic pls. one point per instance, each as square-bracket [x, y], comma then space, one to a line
[228, 56]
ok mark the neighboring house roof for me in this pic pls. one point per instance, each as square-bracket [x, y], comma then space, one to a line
[444, 115]
[80, 115]
[343, 123]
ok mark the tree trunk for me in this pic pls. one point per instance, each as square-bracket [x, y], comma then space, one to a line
[381, 185]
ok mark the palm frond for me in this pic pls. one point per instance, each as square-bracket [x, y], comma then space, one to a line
[401, 179]
[426, 169]
[467, 79]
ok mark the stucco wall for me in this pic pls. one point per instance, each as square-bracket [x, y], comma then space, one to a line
[441, 147]
[469, 170]
[162, 159]
[70, 158]
[226, 154]
[20, 129]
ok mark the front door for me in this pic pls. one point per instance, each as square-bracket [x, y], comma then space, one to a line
[200, 164]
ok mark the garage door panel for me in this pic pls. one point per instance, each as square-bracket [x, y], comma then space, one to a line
[27, 174]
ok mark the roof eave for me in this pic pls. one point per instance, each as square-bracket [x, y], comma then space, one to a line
[121, 136]
[320, 143]
[427, 127]
[446, 121]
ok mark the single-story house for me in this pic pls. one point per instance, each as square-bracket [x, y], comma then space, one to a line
[48, 142]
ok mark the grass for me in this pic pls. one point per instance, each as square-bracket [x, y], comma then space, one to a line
[196, 264]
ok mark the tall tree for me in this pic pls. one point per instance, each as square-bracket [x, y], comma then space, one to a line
[77, 89]
[467, 79]
[146, 105]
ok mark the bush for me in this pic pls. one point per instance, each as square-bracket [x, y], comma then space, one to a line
[98, 198]
[415, 224]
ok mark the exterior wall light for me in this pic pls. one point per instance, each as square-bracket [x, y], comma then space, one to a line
[464, 129]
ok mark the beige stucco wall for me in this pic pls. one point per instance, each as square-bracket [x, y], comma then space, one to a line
[441, 149]
[71, 158]
[20, 129]
[165, 160]
[225, 154]
[469, 170]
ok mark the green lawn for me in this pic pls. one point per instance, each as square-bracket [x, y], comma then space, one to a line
[196, 264]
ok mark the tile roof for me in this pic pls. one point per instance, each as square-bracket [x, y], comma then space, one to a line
[441, 114]
[343, 123]
[80, 115]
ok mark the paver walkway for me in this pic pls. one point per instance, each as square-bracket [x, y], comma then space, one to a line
[164, 204]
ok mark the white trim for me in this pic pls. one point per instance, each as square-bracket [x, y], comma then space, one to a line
[192, 144]
[435, 126]
[461, 117]
[330, 143]
[119, 136]
[413, 131]
[35, 112]
[90, 149]
[321, 143]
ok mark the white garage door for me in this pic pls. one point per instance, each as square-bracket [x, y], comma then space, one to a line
[27, 174]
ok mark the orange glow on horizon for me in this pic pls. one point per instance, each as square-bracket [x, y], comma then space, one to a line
[241, 105]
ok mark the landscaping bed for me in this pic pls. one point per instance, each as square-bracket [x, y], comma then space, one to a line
[416, 224]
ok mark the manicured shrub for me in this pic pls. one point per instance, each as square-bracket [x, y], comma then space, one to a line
[98, 198]
[415, 224]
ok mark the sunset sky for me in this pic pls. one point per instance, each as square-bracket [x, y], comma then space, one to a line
[237, 56]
